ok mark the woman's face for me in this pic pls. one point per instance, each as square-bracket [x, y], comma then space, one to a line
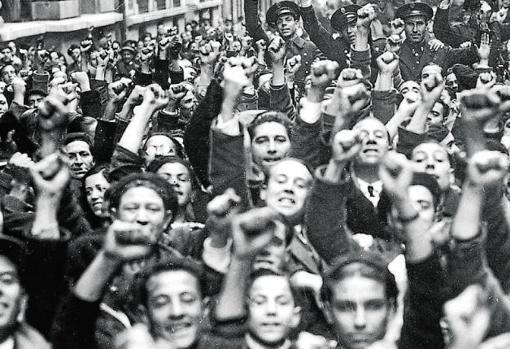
[95, 187]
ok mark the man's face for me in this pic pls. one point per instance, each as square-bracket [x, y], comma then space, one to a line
[287, 189]
[8, 74]
[433, 159]
[7, 52]
[411, 90]
[80, 157]
[271, 308]
[95, 187]
[142, 205]
[175, 309]
[179, 177]
[360, 310]
[451, 84]
[147, 41]
[435, 116]
[286, 25]
[159, 145]
[12, 295]
[273, 256]
[34, 100]
[349, 32]
[270, 144]
[76, 53]
[415, 28]
[374, 143]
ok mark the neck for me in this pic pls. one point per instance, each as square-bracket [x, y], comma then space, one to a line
[290, 37]
[180, 217]
[368, 173]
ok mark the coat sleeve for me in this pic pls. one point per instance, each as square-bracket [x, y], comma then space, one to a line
[251, 14]
[196, 135]
[325, 217]
[331, 48]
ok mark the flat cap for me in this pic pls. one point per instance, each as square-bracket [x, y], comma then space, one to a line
[415, 9]
[281, 8]
[344, 16]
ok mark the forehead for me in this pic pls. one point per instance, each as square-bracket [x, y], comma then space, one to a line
[173, 167]
[431, 68]
[141, 194]
[291, 168]
[429, 148]
[270, 128]
[415, 19]
[173, 282]
[409, 85]
[438, 107]
[76, 146]
[358, 288]
[271, 285]
[96, 178]
[158, 140]
[369, 124]
[6, 265]
[451, 77]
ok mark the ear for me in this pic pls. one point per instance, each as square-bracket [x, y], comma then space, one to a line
[296, 317]
[113, 213]
[22, 308]
[263, 193]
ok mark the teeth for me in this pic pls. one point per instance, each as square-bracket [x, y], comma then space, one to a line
[287, 200]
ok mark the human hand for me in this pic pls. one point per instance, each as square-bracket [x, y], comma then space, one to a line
[397, 26]
[486, 80]
[387, 63]
[277, 50]
[253, 230]
[366, 15]
[86, 45]
[127, 241]
[219, 214]
[345, 145]
[82, 79]
[435, 45]
[396, 173]
[487, 167]
[117, 90]
[431, 88]
[393, 44]
[18, 86]
[307, 340]
[485, 47]
[51, 176]
[468, 317]
[261, 45]
[481, 106]
[54, 110]
[136, 95]
[154, 97]
[292, 65]
[21, 160]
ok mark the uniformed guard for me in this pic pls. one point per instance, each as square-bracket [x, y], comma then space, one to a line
[416, 53]
[284, 16]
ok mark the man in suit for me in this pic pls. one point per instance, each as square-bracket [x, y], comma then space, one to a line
[415, 52]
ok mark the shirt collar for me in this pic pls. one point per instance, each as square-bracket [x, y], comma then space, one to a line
[298, 41]
[253, 344]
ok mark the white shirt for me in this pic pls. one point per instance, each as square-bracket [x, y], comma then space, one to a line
[372, 191]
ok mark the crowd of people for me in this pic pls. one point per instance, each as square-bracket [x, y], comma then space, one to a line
[319, 176]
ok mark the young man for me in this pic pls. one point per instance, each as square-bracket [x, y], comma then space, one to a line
[78, 148]
[284, 16]
[415, 52]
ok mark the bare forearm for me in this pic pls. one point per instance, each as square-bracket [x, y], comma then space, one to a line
[231, 302]
[467, 219]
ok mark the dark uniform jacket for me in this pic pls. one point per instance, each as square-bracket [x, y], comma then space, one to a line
[414, 57]
[297, 46]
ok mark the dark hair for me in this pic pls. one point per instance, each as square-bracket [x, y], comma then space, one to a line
[148, 180]
[157, 163]
[363, 263]
[78, 136]
[270, 116]
[257, 273]
[36, 92]
[91, 217]
[434, 141]
[71, 49]
[168, 264]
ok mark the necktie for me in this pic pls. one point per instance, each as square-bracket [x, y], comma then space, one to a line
[371, 191]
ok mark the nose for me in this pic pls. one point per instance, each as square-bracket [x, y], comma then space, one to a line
[78, 160]
[271, 307]
[271, 149]
[142, 217]
[360, 321]
[95, 195]
[176, 311]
